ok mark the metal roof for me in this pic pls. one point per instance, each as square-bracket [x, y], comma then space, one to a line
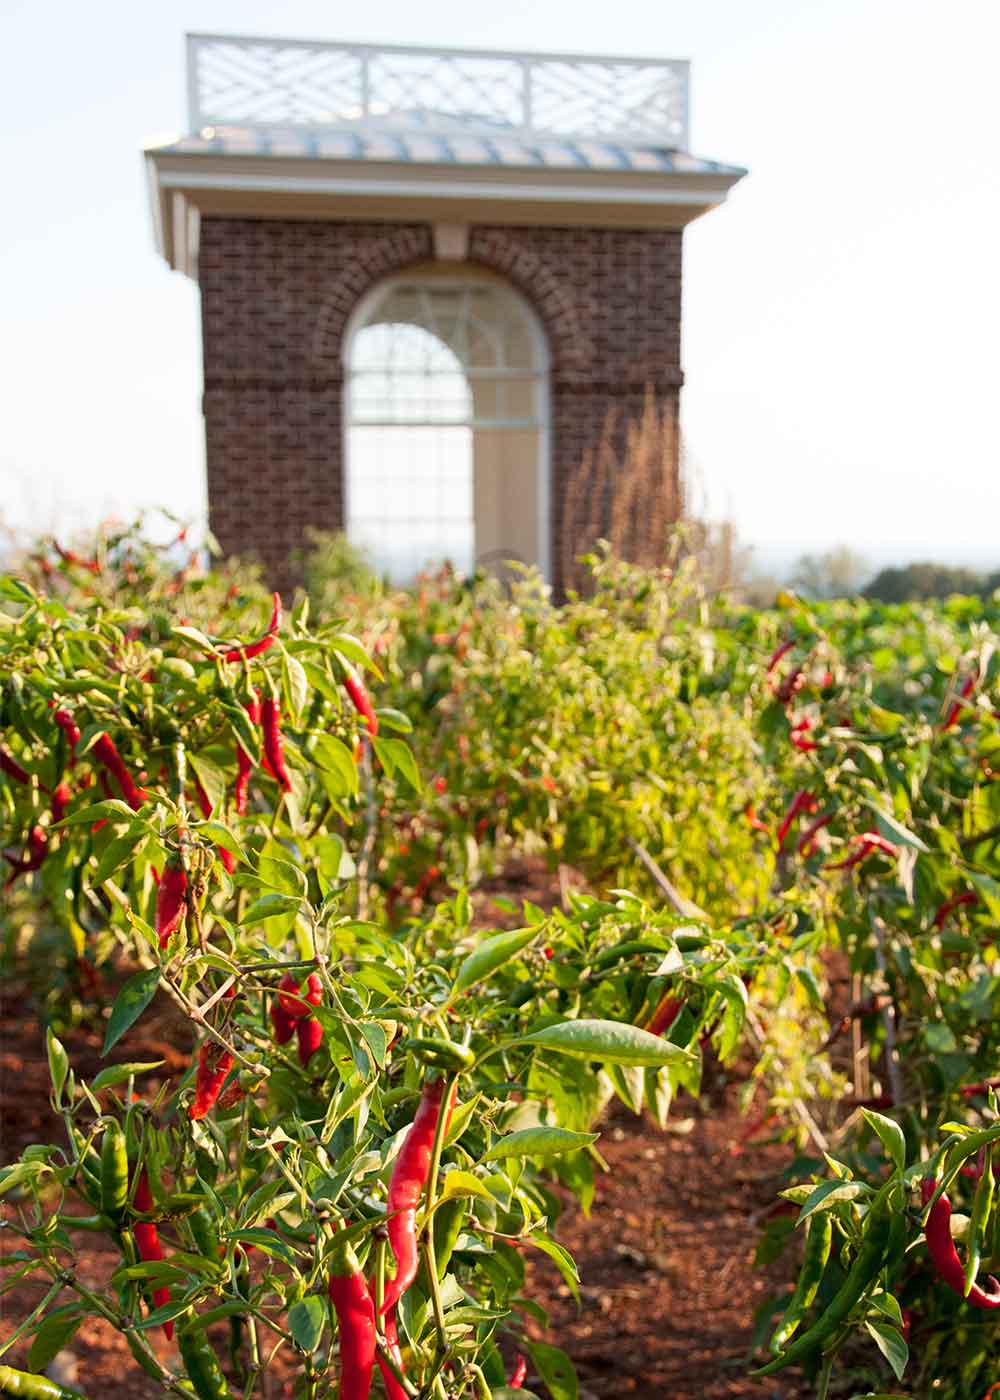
[504, 149]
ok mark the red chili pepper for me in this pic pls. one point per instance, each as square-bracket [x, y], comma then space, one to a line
[519, 1374]
[807, 840]
[361, 700]
[245, 653]
[793, 682]
[282, 1024]
[214, 1064]
[750, 812]
[69, 556]
[274, 742]
[950, 905]
[440, 785]
[244, 763]
[426, 880]
[356, 1320]
[969, 1091]
[667, 1010]
[32, 859]
[60, 801]
[227, 1099]
[801, 802]
[10, 766]
[867, 843]
[71, 729]
[393, 1389]
[798, 735]
[954, 713]
[171, 900]
[309, 1033]
[205, 807]
[147, 1241]
[944, 1255]
[295, 1001]
[409, 1177]
[106, 753]
[776, 656]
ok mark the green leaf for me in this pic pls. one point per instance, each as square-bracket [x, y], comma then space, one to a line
[269, 906]
[394, 720]
[459, 1184]
[117, 1074]
[401, 758]
[614, 1042]
[109, 810]
[129, 1005]
[212, 779]
[221, 836]
[828, 1193]
[295, 684]
[306, 1320]
[120, 849]
[555, 1369]
[538, 1142]
[891, 1135]
[57, 1328]
[334, 757]
[893, 830]
[489, 955]
[192, 634]
[891, 1344]
[563, 1261]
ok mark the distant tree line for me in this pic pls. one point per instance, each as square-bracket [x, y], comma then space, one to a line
[928, 581]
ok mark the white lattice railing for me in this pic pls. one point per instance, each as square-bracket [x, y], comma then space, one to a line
[235, 81]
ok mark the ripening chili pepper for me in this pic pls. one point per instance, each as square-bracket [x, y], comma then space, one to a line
[147, 1240]
[409, 1176]
[244, 763]
[950, 905]
[214, 1064]
[667, 1010]
[71, 729]
[519, 1373]
[106, 752]
[807, 841]
[309, 1034]
[361, 700]
[201, 1364]
[819, 1238]
[944, 1255]
[171, 900]
[13, 769]
[245, 653]
[114, 1173]
[861, 1275]
[356, 1322]
[750, 812]
[29, 1386]
[274, 742]
[231, 1096]
[955, 711]
[60, 801]
[803, 801]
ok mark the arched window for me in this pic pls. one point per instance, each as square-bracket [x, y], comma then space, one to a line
[446, 412]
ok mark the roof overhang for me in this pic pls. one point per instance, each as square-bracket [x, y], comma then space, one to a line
[186, 187]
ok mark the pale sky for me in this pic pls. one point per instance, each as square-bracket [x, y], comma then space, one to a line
[842, 310]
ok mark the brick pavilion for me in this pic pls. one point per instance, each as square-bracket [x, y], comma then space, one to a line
[426, 277]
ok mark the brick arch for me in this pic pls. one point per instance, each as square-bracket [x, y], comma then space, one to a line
[382, 252]
[548, 294]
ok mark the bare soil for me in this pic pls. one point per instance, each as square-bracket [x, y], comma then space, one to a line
[668, 1288]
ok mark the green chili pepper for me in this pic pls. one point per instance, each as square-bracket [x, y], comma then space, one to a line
[114, 1173]
[442, 1054]
[143, 1357]
[817, 1252]
[31, 1387]
[201, 1364]
[861, 1275]
[204, 1233]
[448, 1221]
[982, 1205]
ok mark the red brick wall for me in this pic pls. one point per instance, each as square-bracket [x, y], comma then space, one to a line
[277, 295]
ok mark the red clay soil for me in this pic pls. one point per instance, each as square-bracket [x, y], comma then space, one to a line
[668, 1288]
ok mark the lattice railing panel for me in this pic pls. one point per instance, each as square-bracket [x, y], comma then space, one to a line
[234, 81]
